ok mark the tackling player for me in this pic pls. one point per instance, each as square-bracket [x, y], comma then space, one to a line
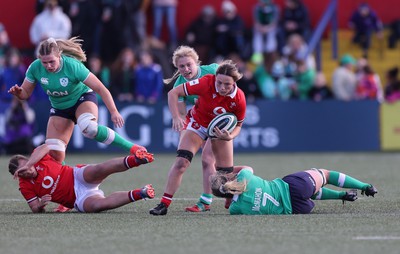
[292, 194]
[216, 94]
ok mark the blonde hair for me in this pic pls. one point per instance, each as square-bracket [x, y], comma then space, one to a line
[229, 68]
[226, 185]
[182, 51]
[71, 47]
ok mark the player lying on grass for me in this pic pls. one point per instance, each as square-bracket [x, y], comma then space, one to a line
[43, 179]
[291, 194]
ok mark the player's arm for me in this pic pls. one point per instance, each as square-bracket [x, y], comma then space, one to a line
[173, 95]
[37, 155]
[95, 84]
[38, 205]
[24, 91]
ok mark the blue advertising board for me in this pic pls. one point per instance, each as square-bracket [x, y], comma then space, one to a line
[270, 126]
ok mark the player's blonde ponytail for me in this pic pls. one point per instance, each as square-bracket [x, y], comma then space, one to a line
[71, 47]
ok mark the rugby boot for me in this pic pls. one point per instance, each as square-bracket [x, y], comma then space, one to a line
[369, 191]
[147, 192]
[160, 209]
[197, 208]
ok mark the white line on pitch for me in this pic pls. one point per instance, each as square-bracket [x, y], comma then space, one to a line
[376, 238]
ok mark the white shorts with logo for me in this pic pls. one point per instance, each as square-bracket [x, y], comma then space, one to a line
[82, 189]
[191, 124]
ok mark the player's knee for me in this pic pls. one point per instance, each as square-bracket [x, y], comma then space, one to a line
[56, 144]
[224, 170]
[88, 125]
[188, 155]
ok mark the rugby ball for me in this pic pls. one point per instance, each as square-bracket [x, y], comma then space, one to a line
[225, 121]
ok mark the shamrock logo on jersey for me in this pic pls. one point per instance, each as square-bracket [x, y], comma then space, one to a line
[64, 82]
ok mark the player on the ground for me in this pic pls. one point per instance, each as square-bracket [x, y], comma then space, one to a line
[72, 89]
[186, 60]
[217, 94]
[42, 179]
[291, 194]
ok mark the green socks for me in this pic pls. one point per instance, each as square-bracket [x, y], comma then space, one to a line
[325, 193]
[345, 181]
[107, 136]
[205, 198]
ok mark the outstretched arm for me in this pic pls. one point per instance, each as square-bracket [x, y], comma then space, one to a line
[95, 84]
[24, 91]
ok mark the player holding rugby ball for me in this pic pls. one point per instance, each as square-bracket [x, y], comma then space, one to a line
[217, 94]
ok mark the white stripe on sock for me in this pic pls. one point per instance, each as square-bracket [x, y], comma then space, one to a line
[341, 179]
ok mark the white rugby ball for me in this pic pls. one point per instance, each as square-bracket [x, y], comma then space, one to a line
[224, 121]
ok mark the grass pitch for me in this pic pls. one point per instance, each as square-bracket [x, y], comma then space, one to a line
[368, 225]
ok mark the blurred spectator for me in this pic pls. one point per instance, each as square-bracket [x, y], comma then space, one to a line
[165, 8]
[133, 22]
[266, 18]
[201, 33]
[294, 19]
[13, 73]
[5, 44]
[392, 88]
[20, 119]
[320, 90]
[51, 22]
[64, 4]
[85, 16]
[102, 72]
[364, 23]
[369, 85]
[344, 79]
[229, 31]
[123, 80]
[301, 65]
[266, 81]
[247, 83]
[111, 39]
[149, 79]
[394, 35]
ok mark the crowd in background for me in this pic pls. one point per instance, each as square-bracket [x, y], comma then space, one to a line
[271, 53]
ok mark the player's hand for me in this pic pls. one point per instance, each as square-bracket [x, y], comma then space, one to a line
[15, 90]
[178, 123]
[222, 134]
[117, 119]
[45, 200]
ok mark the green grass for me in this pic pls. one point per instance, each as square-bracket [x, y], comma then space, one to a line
[368, 225]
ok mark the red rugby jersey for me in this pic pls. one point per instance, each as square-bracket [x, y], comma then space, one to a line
[210, 103]
[54, 179]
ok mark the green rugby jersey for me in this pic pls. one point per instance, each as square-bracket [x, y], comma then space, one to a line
[202, 71]
[261, 196]
[63, 87]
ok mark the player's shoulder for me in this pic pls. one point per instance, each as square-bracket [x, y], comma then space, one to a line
[209, 69]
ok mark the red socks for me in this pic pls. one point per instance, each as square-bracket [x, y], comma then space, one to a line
[134, 195]
[166, 199]
[130, 161]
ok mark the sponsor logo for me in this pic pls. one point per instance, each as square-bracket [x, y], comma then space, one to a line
[233, 104]
[56, 93]
[48, 181]
[214, 95]
[44, 81]
[219, 110]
